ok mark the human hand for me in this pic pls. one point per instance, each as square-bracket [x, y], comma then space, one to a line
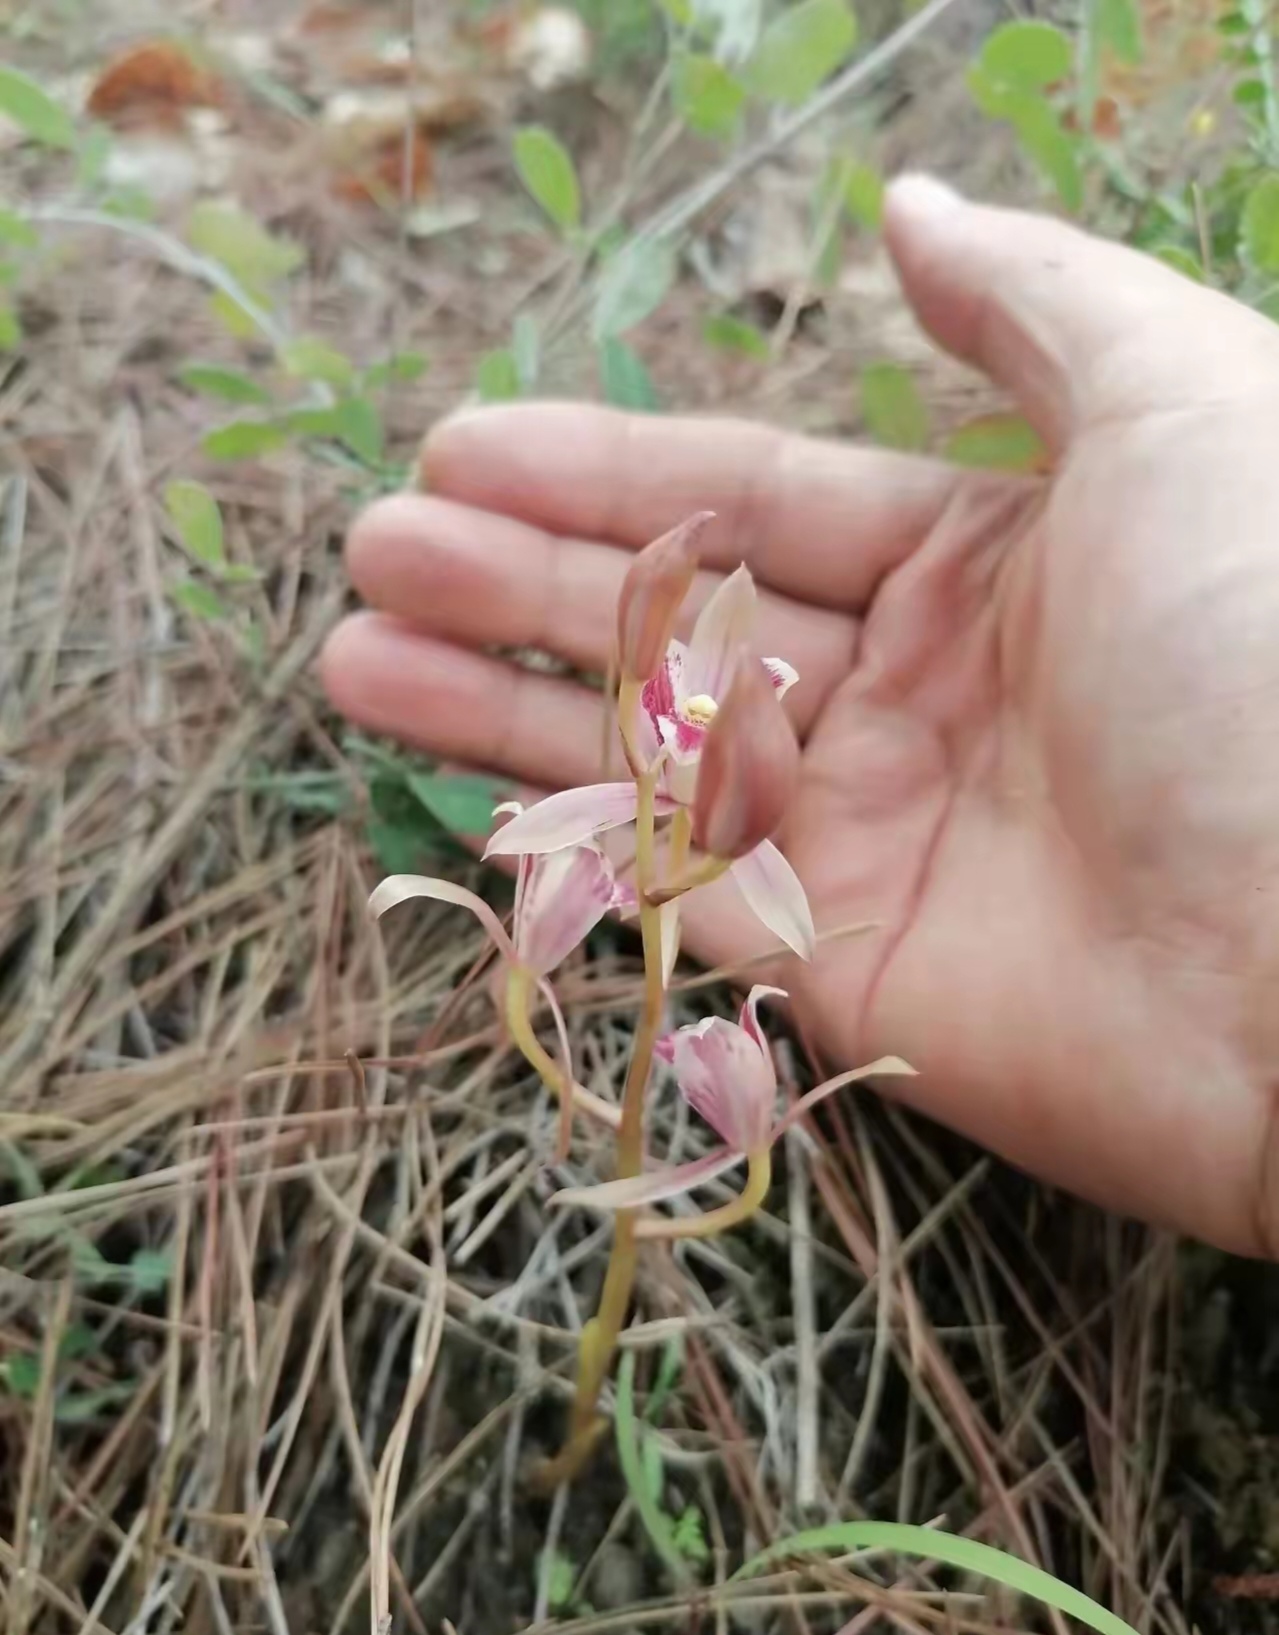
[1040, 717]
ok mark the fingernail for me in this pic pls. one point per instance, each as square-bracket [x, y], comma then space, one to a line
[922, 197]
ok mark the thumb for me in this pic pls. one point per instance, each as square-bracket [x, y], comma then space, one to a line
[1077, 329]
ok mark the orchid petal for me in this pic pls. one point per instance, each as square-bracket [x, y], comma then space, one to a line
[584, 1100]
[749, 1021]
[774, 895]
[725, 1076]
[886, 1066]
[720, 637]
[659, 696]
[638, 1190]
[566, 819]
[398, 888]
[565, 895]
[782, 675]
[684, 739]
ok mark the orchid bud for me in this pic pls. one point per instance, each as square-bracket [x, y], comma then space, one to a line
[748, 769]
[653, 592]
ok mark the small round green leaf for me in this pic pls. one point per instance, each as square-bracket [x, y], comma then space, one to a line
[227, 384]
[1259, 225]
[310, 359]
[461, 802]
[633, 285]
[706, 96]
[625, 380]
[197, 521]
[546, 168]
[1028, 55]
[244, 439]
[34, 111]
[735, 335]
[497, 376]
[800, 48]
[892, 408]
[200, 601]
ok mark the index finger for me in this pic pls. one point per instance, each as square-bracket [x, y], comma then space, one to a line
[813, 519]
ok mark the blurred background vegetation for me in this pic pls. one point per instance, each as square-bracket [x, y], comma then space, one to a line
[272, 1325]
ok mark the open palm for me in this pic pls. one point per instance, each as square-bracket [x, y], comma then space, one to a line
[1040, 716]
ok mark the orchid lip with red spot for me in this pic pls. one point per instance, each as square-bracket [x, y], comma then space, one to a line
[677, 706]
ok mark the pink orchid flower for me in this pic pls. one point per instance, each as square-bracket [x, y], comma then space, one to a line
[678, 705]
[560, 897]
[725, 1072]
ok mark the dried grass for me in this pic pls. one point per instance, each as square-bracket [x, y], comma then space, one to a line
[370, 1325]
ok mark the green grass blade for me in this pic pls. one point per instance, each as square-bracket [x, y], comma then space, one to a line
[932, 1545]
[657, 1524]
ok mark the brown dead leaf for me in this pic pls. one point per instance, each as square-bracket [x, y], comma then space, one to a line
[1181, 42]
[1249, 1586]
[385, 173]
[152, 85]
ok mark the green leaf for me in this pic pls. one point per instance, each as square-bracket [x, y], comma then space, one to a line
[310, 359]
[1180, 260]
[80, 1407]
[1039, 130]
[359, 426]
[690, 1535]
[460, 802]
[996, 442]
[497, 376]
[892, 408]
[14, 230]
[680, 12]
[705, 95]
[561, 1575]
[233, 317]
[21, 1374]
[196, 519]
[864, 196]
[735, 335]
[240, 573]
[403, 368]
[668, 1372]
[243, 439]
[150, 1270]
[232, 237]
[398, 847]
[1249, 92]
[929, 1544]
[10, 328]
[34, 110]
[546, 169]
[624, 379]
[1027, 55]
[633, 285]
[228, 384]
[526, 345]
[1117, 25]
[1259, 225]
[200, 601]
[800, 48]
[657, 1523]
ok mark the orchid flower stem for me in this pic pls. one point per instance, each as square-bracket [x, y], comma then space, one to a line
[519, 994]
[628, 706]
[599, 1338]
[758, 1179]
[705, 873]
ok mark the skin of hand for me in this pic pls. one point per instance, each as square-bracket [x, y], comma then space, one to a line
[1040, 716]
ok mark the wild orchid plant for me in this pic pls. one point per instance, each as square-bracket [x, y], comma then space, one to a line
[713, 759]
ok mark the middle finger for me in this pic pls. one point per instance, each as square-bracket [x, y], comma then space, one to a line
[482, 580]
